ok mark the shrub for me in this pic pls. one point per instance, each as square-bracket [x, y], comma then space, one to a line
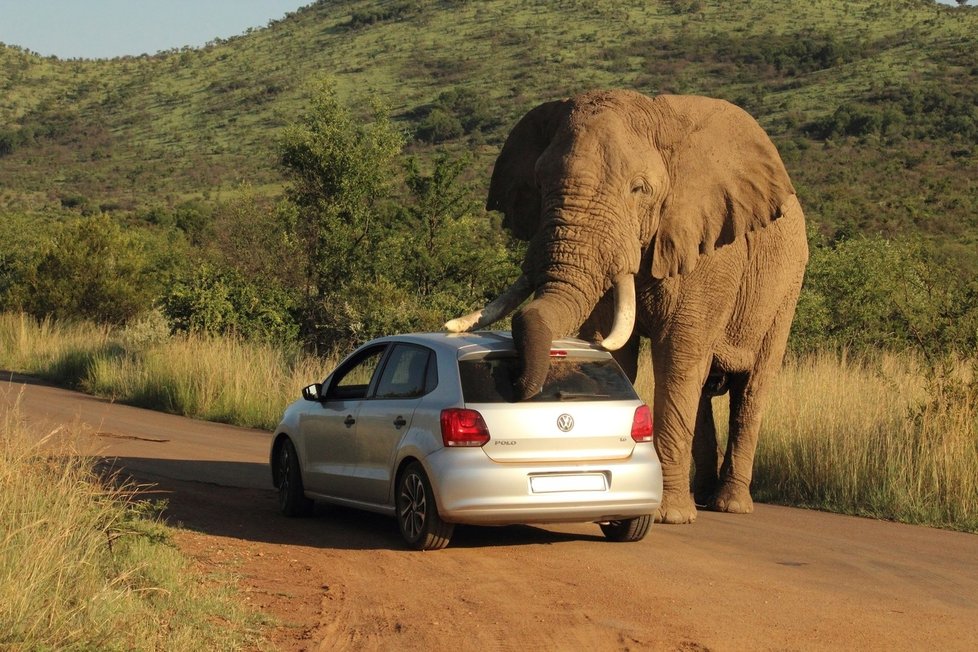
[454, 113]
[870, 292]
[91, 269]
[439, 126]
[221, 301]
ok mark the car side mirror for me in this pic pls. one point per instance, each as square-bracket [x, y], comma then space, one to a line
[313, 392]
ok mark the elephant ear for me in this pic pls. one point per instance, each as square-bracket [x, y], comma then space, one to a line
[726, 177]
[513, 189]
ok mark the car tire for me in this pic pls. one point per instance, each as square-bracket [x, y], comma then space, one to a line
[292, 500]
[417, 513]
[629, 529]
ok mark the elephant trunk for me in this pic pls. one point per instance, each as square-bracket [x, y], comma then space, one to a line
[558, 310]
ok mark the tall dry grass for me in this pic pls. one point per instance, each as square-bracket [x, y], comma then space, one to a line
[214, 378]
[84, 565]
[884, 435]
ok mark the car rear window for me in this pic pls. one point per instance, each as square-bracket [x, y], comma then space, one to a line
[490, 380]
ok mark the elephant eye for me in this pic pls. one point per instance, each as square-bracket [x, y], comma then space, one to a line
[639, 186]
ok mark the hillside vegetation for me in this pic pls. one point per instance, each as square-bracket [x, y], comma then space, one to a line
[177, 163]
[872, 101]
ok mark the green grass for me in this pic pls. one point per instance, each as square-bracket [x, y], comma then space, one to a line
[886, 436]
[85, 564]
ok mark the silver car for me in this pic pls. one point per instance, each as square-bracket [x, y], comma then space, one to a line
[423, 427]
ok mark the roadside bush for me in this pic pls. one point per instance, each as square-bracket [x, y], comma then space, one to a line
[91, 269]
[221, 301]
[21, 237]
[257, 237]
[870, 292]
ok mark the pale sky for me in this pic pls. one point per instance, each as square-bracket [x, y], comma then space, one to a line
[94, 29]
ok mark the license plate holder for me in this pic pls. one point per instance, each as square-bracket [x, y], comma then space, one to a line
[561, 483]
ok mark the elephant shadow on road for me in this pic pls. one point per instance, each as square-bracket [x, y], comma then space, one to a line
[198, 497]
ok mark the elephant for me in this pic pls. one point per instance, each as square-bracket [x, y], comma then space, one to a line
[671, 218]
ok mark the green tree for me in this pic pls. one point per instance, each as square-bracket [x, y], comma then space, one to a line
[450, 254]
[249, 280]
[340, 167]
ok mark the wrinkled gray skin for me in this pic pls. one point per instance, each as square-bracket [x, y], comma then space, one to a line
[690, 196]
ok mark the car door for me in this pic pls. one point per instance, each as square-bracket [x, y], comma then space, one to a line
[329, 428]
[408, 374]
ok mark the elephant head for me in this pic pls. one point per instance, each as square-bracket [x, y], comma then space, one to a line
[610, 184]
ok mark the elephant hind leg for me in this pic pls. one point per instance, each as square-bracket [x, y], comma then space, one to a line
[733, 492]
[748, 397]
[706, 453]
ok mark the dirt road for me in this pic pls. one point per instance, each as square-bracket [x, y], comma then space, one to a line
[778, 579]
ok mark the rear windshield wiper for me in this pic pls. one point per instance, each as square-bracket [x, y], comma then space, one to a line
[579, 396]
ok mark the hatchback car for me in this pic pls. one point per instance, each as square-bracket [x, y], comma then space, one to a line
[424, 427]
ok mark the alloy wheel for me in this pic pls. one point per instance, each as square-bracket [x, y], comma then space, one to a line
[414, 505]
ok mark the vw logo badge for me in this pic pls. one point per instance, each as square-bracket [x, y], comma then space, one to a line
[565, 422]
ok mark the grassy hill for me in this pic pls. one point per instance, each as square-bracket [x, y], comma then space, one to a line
[872, 102]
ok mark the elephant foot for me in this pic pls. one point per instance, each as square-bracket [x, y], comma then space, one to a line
[676, 509]
[733, 499]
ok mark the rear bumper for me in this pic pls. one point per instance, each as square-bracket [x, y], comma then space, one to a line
[471, 488]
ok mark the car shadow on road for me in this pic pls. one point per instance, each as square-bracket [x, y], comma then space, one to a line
[200, 496]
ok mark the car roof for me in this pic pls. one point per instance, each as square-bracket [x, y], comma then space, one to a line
[463, 344]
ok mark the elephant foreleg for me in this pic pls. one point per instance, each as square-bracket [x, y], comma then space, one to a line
[676, 405]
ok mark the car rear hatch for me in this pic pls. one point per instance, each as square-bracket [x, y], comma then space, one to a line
[584, 412]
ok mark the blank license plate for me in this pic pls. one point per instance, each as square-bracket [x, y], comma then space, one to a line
[543, 484]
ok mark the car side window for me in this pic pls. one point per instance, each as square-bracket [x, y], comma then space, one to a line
[431, 380]
[406, 372]
[353, 379]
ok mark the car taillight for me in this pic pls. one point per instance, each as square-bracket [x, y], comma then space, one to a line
[461, 427]
[642, 424]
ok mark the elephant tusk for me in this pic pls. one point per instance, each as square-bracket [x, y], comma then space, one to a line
[501, 306]
[624, 322]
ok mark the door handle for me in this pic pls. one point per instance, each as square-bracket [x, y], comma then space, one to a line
[349, 421]
[399, 422]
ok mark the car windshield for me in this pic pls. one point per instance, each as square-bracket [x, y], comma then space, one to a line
[490, 380]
